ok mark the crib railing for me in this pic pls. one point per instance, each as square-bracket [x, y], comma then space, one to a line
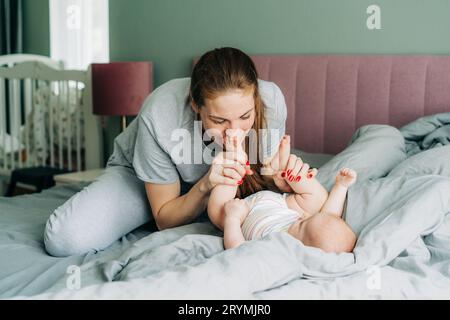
[46, 118]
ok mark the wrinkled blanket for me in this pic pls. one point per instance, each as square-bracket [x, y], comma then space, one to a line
[399, 209]
[426, 133]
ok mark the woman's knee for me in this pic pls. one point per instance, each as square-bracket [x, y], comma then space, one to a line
[98, 215]
[61, 240]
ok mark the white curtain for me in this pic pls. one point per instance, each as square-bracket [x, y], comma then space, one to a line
[79, 32]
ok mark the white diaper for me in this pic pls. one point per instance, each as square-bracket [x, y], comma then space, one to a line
[268, 213]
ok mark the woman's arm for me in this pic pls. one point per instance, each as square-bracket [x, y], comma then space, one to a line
[170, 209]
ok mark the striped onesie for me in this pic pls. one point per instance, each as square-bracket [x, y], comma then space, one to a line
[268, 213]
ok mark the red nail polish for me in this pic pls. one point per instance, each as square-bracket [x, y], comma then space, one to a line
[240, 182]
[283, 174]
[309, 175]
[289, 172]
[298, 178]
[247, 163]
[291, 178]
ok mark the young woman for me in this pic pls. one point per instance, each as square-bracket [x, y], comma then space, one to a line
[143, 178]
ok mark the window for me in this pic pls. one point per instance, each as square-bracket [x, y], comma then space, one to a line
[79, 32]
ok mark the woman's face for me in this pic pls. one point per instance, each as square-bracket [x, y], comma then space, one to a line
[233, 109]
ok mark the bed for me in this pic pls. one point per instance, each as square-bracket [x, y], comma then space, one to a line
[328, 98]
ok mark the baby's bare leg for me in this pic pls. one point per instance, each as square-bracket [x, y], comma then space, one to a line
[216, 202]
[336, 198]
[222, 193]
[310, 195]
[236, 211]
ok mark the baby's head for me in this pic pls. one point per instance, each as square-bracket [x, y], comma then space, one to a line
[324, 231]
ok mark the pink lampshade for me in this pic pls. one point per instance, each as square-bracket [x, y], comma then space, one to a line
[120, 88]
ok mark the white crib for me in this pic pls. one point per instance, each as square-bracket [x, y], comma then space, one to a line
[46, 116]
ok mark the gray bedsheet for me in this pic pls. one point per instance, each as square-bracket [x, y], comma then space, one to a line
[403, 249]
[402, 252]
[25, 268]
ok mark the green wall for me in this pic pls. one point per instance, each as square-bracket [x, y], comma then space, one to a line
[36, 29]
[171, 32]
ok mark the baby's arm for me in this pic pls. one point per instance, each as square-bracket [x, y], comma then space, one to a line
[236, 211]
[314, 199]
[336, 199]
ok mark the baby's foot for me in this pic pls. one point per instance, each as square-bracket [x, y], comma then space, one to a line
[235, 144]
[234, 140]
[346, 177]
[236, 208]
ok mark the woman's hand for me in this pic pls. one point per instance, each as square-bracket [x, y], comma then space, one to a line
[230, 166]
[297, 173]
[286, 167]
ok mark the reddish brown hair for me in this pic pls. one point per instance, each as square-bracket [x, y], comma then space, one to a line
[224, 69]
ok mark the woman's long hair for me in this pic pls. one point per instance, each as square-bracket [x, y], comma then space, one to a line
[225, 69]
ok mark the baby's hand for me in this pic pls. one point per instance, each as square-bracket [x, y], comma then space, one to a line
[236, 209]
[346, 177]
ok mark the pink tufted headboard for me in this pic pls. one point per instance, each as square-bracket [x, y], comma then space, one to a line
[330, 96]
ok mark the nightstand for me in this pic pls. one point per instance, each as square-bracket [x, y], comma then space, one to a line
[76, 177]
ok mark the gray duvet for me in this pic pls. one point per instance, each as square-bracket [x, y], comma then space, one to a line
[399, 209]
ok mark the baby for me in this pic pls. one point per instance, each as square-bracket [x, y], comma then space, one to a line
[306, 214]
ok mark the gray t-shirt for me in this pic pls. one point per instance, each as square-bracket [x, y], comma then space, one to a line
[147, 144]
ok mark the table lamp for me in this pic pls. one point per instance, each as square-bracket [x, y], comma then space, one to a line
[120, 88]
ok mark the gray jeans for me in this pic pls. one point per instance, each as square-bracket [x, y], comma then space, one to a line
[92, 219]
